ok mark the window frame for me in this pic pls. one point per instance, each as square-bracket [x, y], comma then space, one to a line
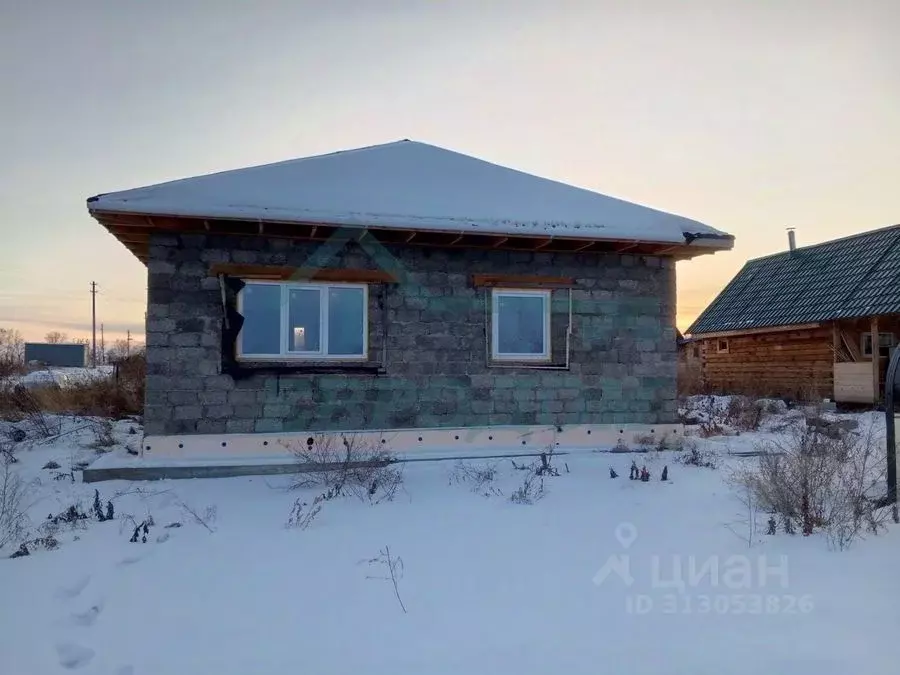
[722, 346]
[286, 354]
[545, 295]
[867, 337]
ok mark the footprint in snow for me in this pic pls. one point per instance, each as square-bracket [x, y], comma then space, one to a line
[73, 591]
[130, 561]
[72, 656]
[88, 617]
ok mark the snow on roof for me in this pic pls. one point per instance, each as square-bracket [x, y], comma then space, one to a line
[406, 185]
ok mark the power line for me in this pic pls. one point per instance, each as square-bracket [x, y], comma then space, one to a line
[56, 295]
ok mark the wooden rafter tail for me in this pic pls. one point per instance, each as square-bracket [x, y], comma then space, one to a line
[122, 224]
[134, 238]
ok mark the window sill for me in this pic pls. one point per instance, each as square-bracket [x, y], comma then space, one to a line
[535, 360]
[519, 363]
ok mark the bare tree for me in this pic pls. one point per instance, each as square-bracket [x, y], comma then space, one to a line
[117, 351]
[12, 351]
[55, 337]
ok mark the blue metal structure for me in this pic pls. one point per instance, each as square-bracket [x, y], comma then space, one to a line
[61, 355]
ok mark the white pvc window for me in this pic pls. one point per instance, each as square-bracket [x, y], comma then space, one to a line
[303, 321]
[520, 325]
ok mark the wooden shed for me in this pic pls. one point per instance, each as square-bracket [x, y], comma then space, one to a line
[800, 324]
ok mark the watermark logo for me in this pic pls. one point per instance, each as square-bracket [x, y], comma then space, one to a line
[688, 584]
[620, 564]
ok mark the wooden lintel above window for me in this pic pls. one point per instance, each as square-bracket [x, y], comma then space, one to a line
[286, 273]
[521, 281]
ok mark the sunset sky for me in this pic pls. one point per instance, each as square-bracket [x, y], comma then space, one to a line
[748, 116]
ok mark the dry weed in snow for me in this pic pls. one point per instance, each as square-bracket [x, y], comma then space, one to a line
[15, 498]
[393, 567]
[821, 482]
[350, 464]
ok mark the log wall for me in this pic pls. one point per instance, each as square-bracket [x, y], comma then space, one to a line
[792, 364]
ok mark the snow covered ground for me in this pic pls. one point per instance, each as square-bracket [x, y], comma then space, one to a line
[61, 377]
[582, 581]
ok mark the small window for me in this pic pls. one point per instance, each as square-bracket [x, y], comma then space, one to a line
[696, 352]
[886, 342]
[722, 346]
[303, 321]
[520, 325]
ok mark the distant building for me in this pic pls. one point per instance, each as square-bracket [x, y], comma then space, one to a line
[63, 355]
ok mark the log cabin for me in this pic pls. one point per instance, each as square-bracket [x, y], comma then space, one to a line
[800, 324]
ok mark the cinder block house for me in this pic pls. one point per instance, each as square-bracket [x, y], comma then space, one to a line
[401, 286]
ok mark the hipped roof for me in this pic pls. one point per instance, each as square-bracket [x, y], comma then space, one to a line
[411, 186]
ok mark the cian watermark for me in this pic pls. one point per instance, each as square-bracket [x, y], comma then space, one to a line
[718, 603]
[689, 584]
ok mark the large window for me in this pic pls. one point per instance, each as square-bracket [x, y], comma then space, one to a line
[303, 321]
[521, 325]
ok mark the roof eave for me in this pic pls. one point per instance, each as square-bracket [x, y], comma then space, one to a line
[134, 229]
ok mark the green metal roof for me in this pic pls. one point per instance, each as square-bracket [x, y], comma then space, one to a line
[846, 278]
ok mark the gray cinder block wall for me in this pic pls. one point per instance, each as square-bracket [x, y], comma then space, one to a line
[429, 332]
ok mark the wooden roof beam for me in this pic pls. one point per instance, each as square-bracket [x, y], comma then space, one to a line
[521, 281]
[286, 272]
[134, 239]
[755, 331]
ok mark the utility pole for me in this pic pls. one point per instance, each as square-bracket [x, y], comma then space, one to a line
[128, 343]
[94, 323]
[102, 345]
